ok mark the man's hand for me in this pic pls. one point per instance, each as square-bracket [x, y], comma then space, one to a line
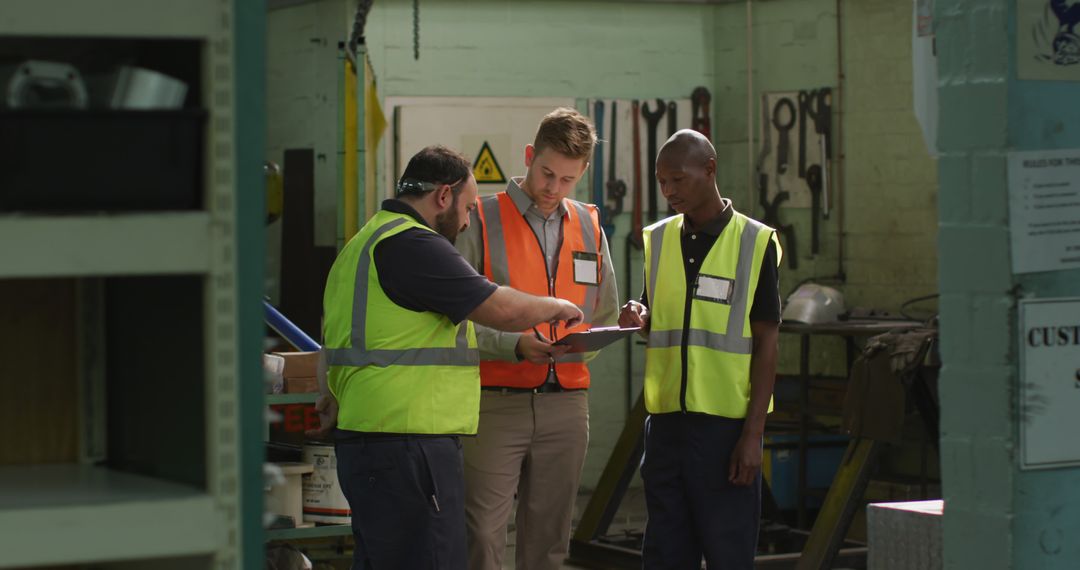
[327, 407]
[570, 313]
[745, 460]
[634, 314]
[539, 350]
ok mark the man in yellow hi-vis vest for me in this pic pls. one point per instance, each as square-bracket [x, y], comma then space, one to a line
[711, 309]
[400, 366]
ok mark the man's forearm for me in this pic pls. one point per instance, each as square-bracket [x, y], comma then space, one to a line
[511, 310]
[496, 344]
[762, 377]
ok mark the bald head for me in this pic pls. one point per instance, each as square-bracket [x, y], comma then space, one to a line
[686, 172]
[687, 147]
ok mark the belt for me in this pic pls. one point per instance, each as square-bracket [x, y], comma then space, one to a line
[545, 388]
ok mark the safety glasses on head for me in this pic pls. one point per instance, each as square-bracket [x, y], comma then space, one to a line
[410, 185]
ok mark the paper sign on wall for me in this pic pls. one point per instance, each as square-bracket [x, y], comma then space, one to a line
[1044, 210]
[1049, 383]
[1048, 39]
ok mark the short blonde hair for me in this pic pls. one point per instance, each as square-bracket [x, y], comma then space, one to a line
[566, 132]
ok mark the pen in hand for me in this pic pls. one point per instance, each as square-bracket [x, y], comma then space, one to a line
[541, 338]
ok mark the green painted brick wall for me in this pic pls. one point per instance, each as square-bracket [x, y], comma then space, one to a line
[997, 516]
[890, 182]
[977, 379]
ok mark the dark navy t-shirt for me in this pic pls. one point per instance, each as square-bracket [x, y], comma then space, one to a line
[421, 271]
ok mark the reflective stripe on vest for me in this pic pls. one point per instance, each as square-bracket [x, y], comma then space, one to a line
[718, 337]
[393, 369]
[513, 257]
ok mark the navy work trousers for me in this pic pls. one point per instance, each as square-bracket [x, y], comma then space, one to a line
[407, 496]
[694, 510]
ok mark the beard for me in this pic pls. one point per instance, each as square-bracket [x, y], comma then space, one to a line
[449, 223]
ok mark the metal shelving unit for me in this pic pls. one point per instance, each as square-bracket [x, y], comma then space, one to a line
[274, 399]
[119, 244]
[99, 514]
[312, 532]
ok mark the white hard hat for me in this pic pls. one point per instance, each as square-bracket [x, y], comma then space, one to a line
[813, 304]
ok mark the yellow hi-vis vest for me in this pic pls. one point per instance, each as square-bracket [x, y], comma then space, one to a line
[717, 338]
[394, 370]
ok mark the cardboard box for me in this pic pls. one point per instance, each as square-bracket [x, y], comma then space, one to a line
[301, 385]
[299, 364]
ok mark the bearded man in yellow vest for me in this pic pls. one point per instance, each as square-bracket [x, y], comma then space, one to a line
[711, 309]
[534, 407]
[400, 367]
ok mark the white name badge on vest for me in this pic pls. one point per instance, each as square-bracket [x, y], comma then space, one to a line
[715, 289]
[586, 268]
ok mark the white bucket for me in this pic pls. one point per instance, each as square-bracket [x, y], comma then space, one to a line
[323, 500]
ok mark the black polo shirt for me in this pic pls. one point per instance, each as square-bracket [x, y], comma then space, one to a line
[696, 243]
[421, 271]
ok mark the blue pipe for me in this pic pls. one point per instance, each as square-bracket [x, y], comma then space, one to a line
[288, 330]
[598, 163]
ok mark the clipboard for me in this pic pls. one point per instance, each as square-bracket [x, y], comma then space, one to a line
[595, 338]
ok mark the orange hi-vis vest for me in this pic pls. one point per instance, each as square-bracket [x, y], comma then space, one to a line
[513, 257]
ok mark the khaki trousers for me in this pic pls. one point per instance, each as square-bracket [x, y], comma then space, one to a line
[534, 445]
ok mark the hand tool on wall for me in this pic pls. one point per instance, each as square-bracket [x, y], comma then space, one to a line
[813, 179]
[821, 113]
[616, 188]
[636, 225]
[783, 128]
[772, 218]
[653, 118]
[598, 167]
[672, 126]
[824, 180]
[804, 98]
[814, 105]
[672, 118]
[699, 116]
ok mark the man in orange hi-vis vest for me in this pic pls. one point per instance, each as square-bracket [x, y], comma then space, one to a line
[534, 410]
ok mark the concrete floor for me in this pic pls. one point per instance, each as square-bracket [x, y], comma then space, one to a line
[631, 517]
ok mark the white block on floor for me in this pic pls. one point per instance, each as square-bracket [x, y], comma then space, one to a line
[904, 536]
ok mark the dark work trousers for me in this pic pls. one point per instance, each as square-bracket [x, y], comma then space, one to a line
[407, 496]
[693, 509]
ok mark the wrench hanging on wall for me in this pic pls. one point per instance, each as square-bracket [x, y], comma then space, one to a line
[653, 119]
[813, 179]
[616, 188]
[699, 116]
[783, 146]
[672, 126]
[772, 218]
[634, 237]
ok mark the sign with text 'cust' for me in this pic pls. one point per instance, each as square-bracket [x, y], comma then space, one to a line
[1049, 383]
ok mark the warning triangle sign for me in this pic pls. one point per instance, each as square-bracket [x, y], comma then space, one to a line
[486, 168]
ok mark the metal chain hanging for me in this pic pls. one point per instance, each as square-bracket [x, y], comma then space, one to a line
[416, 29]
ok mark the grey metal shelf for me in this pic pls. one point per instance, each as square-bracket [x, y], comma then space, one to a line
[307, 398]
[312, 532]
[111, 18]
[105, 244]
[100, 515]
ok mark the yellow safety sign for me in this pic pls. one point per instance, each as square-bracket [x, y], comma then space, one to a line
[486, 168]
